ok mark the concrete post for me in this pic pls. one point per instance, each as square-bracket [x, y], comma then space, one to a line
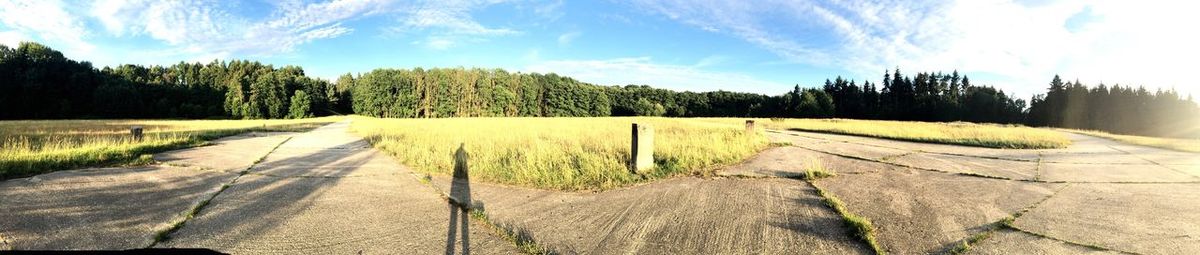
[749, 126]
[642, 149]
[136, 131]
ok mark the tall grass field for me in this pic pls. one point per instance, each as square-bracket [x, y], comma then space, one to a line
[559, 153]
[957, 133]
[40, 146]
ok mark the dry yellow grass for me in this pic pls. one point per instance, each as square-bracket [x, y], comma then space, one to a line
[559, 153]
[1185, 145]
[958, 133]
[38, 146]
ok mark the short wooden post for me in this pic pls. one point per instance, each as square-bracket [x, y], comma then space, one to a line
[136, 131]
[642, 149]
[749, 126]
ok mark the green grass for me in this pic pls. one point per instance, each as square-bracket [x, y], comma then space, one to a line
[957, 133]
[860, 227]
[559, 153]
[521, 239]
[1177, 144]
[36, 147]
[816, 170]
[965, 245]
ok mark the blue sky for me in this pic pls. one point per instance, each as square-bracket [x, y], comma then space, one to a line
[697, 45]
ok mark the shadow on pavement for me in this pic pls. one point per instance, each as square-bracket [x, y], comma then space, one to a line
[460, 191]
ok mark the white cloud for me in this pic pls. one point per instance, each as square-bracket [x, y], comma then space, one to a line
[625, 71]
[567, 38]
[46, 20]
[447, 23]
[1022, 46]
[12, 38]
[449, 18]
[203, 28]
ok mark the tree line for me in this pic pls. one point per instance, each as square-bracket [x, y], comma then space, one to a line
[1117, 109]
[37, 82]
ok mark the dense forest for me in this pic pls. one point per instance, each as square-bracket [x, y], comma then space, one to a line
[1117, 109]
[37, 82]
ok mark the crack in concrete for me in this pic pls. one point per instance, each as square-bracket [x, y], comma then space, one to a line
[519, 239]
[958, 154]
[1155, 162]
[180, 221]
[984, 175]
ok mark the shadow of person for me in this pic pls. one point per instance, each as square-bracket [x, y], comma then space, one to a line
[460, 201]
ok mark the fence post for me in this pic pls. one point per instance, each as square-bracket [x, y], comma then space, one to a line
[136, 131]
[642, 149]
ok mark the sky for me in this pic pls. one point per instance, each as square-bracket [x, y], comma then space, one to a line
[762, 46]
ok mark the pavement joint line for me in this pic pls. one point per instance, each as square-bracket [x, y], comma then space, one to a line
[177, 223]
[1155, 162]
[915, 167]
[1022, 212]
[957, 154]
[833, 203]
[522, 241]
[889, 158]
[1089, 246]
[1007, 222]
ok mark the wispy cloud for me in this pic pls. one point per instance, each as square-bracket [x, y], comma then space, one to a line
[566, 38]
[641, 70]
[1024, 45]
[447, 23]
[210, 28]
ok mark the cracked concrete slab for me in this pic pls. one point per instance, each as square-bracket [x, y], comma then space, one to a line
[233, 153]
[325, 192]
[1111, 173]
[1007, 241]
[1018, 170]
[857, 150]
[684, 215]
[917, 211]
[789, 162]
[120, 207]
[104, 208]
[1140, 218]
[1108, 158]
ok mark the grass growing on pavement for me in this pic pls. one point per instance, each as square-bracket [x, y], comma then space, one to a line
[958, 133]
[991, 229]
[860, 226]
[41, 146]
[559, 153]
[520, 238]
[1185, 145]
[816, 170]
